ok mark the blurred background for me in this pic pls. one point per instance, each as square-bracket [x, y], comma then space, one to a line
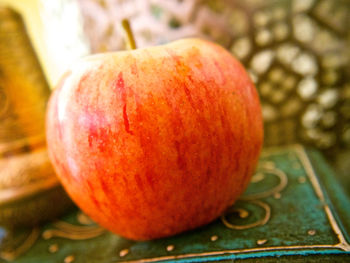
[296, 51]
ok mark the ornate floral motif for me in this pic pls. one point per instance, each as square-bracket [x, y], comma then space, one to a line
[18, 244]
[86, 230]
[266, 169]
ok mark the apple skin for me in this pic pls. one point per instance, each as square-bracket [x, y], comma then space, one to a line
[156, 141]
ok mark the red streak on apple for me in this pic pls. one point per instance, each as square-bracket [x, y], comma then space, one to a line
[155, 141]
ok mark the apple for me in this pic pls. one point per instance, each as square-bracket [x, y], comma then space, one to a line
[155, 141]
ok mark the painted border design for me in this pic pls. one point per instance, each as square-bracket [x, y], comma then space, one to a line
[341, 246]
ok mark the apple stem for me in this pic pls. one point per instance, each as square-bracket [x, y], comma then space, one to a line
[130, 40]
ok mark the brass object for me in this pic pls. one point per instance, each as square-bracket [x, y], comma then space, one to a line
[29, 189]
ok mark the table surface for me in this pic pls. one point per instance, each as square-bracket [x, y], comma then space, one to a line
[293, 208]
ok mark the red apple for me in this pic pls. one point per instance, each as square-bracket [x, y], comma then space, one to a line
[156, 141]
